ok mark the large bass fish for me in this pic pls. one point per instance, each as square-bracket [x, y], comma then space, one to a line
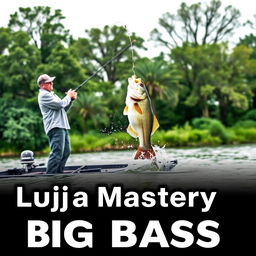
[142, 121]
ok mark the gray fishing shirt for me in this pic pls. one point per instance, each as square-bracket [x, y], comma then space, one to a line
[53, 110]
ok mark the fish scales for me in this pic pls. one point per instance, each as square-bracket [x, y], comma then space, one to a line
[142, 121]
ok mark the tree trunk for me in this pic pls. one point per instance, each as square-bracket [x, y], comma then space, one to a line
[223, 109]
[254, 100]
[205, 111]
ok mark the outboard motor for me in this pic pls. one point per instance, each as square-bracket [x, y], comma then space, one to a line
[27, 160]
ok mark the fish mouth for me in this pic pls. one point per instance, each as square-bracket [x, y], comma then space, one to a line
[136, 99]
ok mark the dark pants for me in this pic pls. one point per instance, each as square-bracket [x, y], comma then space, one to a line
[60, 150]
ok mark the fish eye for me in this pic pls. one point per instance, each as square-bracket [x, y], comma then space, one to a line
[141, 84]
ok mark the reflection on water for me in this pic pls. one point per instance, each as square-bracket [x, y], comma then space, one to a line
[225, 167]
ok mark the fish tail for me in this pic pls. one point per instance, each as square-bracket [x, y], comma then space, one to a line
[145, 153]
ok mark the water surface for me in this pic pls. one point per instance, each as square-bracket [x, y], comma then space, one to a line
[230, 168]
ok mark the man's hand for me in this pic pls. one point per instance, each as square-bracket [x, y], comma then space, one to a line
[72, 94]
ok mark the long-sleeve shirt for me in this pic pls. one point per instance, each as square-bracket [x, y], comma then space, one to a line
[53, 110]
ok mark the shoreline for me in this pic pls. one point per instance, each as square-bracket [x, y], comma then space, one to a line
[114, 148]
[178, 137]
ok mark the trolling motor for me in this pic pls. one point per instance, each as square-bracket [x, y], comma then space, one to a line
[28, 164]
[28, 161]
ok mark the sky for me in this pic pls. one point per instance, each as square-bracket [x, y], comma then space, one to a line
[139, 16]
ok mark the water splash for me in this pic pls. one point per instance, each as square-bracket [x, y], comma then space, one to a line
[161, 162]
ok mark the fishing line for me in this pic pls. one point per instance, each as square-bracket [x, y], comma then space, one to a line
[132, 50]
[131, 43]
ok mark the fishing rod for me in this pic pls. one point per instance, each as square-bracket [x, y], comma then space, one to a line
[101, 67]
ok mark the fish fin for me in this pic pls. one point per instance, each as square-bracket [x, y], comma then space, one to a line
[125, 112]
[131, 131]
[155, 124]
[137, 108]
[145, 153]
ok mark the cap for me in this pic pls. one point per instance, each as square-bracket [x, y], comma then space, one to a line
[42, 79]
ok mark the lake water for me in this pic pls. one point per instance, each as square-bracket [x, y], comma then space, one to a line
[230, 168]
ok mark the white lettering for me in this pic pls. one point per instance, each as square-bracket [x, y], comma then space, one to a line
[147, 238]
[20, 202]
[213, 236]
[104, 197]
[208, 202]
[80, 200]
[187, 236]
[34, 232]
[87, 236]
[117, 233]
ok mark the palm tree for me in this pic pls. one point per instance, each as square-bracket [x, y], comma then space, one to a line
[161, 79]
[91, 107]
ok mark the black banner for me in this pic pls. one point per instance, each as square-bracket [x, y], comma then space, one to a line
[65, 214]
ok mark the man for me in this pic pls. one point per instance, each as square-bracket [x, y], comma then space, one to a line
[55, 121]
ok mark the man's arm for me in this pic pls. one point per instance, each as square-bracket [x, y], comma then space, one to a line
[68, 106]
[73, 96]
[50, 101]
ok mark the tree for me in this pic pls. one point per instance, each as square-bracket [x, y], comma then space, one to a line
[99, 46]
[20, 127]
[250, 41]
[215, 77]
[18, 66]
[91, 108]
[24, 129]
[161, 79]
[62, 64]
[43, 25]
[252, 23]
[197, 24]
[5, 38]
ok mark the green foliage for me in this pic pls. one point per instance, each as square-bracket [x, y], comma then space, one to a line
[99, 46]
[245, 135]
[177, 137]
[22, 129]
[43, 25]
[98, 142]
[165, 113]
[214, 127]
[161, 79]
[250, 115]
[249, 41]
[245, 124]
[197, 24]
[201, 80]
[19, 67]
[202, 123]
[5, 39]
[62, 64]
[217, 129]
[214, 77]
[90, 107]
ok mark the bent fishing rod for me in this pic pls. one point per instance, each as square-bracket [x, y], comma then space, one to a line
[101, 67]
